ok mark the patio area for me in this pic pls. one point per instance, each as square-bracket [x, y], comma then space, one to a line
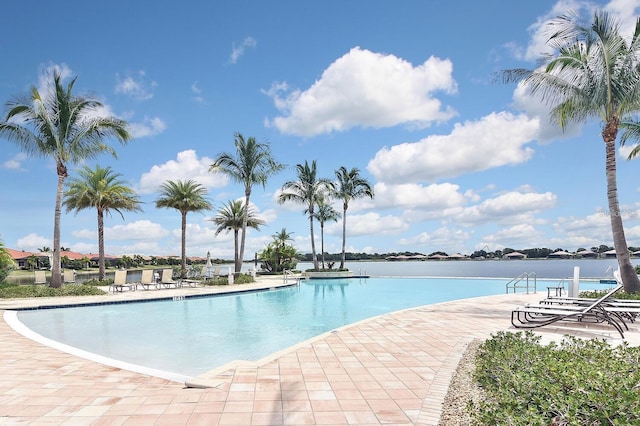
[393, 369]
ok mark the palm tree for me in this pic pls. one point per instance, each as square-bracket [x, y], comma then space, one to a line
[252, 164]
[66, 128]
[593, 73]
[325, 213]
[306, 190]
[44, 249]
[231, 217]
[280, 239]
[184, 196]
[350, 186]
[102, 189]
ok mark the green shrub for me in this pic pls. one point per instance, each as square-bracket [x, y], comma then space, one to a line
[597, 294]
[575, 382]
[12, 291]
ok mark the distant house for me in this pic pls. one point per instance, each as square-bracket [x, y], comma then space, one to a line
[456, 256]
[610, 254]
[587, 253]
[560, 254]
[514, 255]
[21, 258]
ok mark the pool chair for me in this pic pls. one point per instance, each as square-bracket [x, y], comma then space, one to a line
[532, 316]
[167, 279]
[40, 277]
[195, 278]
[148, 280]
[120, 282]
[69, 276]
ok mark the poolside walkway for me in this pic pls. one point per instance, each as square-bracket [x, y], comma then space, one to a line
[392, 369]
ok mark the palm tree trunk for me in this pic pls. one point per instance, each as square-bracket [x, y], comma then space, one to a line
[322, 241]
[313, 242]
[56, 278]
[627, 272]
[183, 262]
[245, 219]
[235, 248]
[344, 236]
[100, 245]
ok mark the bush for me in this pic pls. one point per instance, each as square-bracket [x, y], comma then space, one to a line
[11, 291]
[576, 382]
[597, 294]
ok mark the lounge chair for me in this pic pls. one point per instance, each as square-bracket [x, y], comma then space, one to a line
[545, 314]
[120, 282]
[148, 280]
[40, 277]
[167, 279]
[195, 278]
[69, 276]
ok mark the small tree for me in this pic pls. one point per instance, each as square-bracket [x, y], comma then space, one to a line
[7, 264]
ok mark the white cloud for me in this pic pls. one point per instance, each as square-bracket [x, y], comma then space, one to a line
[412, 195]
[15, 163]
[148, 127]
[197, 93]
[32, 242]
[135, 86]
[186, 166]
[512, 207]
[517, 236]
[498, 139]
[445, 239]
[369, 224]
[367, 89]
[238, 50]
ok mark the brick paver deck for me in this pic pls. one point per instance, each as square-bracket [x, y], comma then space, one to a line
[392, 369]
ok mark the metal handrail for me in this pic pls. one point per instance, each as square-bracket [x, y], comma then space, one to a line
[286, 273]
[513, 284]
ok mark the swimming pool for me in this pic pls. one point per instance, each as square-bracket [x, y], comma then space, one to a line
[191, 336]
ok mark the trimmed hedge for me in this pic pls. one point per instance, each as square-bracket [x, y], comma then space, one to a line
[575, 382]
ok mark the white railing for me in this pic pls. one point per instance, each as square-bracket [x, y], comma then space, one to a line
[287, 274]
[526, 280]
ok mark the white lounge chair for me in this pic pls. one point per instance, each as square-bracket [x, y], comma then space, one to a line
[148, 280]
[69, 276]
[532, 316]
[167, 279]
[40, 277]
[120, 282]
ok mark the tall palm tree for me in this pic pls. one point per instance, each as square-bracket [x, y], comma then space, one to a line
[306, 190]
[184, 196]
[100, 188]
[66, 128]
[350, 186]
[324, 213]
[593, 73]
[252, 164]
[231, 217]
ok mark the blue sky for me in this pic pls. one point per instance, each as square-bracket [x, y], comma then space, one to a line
[404, 91]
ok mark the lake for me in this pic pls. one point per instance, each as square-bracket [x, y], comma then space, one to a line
[543, 268]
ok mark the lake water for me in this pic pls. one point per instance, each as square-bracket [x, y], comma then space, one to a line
[543, 268]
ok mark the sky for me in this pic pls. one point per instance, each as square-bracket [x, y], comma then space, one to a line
[404, 91]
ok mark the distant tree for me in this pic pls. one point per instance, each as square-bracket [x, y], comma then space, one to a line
[184, 196]
[350, 186]
[7, 264]
[100, 188]
[44, 249]
[252, 164]
[232, 217]
[593, 72]
[306, 190]
[66, 128]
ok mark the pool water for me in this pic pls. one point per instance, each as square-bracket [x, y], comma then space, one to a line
[194, 335]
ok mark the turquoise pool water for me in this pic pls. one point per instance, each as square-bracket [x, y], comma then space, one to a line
[191, 336]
